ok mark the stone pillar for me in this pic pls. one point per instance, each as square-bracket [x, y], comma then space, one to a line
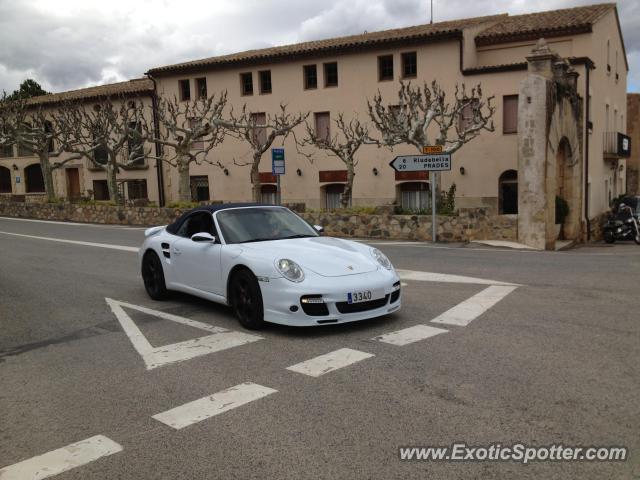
[536, 195]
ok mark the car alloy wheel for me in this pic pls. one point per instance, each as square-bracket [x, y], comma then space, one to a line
[153, 276]
[246, 300]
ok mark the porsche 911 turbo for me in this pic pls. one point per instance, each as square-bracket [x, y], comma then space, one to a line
[268, 265]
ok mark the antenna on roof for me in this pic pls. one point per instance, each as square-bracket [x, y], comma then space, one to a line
[431, 21]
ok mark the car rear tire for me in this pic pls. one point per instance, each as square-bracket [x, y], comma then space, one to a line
[153, 276]
[609, 237]
[246, 300]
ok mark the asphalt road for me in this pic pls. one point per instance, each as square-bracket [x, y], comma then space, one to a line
[556, 360]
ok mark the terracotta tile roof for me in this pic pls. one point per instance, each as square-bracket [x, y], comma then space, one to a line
[135, 86]
[547, 24]
[372, 39]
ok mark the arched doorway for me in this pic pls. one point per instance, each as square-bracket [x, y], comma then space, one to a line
[565, 188]
[5, 180]
[33, 180]
[508, 193]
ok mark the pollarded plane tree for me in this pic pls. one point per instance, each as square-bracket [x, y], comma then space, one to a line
[107, 133]
[34, 128]
[423, 116]
[187, 132]
[260, 131]
[344, 144]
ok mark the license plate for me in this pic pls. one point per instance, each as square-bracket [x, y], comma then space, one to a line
[358, 297]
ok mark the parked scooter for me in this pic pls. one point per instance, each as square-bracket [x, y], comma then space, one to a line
[621, 226]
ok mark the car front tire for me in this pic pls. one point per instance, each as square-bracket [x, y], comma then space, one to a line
[246, 299]
[153, 276]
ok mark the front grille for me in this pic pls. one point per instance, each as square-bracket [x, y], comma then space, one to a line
[344, 307]
[314, 306]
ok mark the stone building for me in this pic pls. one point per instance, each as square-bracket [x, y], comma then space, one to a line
[633, 130]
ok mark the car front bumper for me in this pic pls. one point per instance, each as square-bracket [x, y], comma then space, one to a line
[282, 298]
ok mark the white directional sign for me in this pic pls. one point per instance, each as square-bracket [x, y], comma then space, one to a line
[420, 163]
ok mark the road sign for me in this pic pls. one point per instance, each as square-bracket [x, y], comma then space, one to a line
[420, 163]
[277, 161]
[427, 149]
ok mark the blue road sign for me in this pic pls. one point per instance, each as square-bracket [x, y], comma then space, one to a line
[277, 161]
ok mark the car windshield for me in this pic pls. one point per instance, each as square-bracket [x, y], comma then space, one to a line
[240, 225]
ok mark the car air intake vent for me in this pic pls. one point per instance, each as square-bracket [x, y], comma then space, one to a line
[396, 294]
[344, 307]
[313, 305]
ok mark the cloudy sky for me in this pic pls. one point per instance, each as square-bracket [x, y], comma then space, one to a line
[68, 44]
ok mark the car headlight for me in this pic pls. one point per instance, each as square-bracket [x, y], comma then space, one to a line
[381, 258]
[290, 270]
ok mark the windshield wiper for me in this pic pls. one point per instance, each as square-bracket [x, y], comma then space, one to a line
[259, 240]
[300, 235]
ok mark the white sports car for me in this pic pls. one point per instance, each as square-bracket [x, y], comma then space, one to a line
[269, 265]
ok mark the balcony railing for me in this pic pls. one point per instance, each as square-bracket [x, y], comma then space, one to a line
[616, 145]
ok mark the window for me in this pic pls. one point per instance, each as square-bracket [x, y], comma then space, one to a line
[508, 193]
[246, 83]
[310, 77]
[185, 90]
[259, 134]
[333, 196]
[608, 57]
[414, 196]
[201, 86]
[100, 190]
[385, 68]
[323, 126]
[34, 182]
[467, 115]
[409, 65]
[100, 153]
[135, 144]
[24, 150]
[269, 194]
[48, 128]
[5, 180]
[510, 114]
[331, 74]
[197, 223]
[197, 144]
[199, 188]
[6, 151]
[137, 190]
[265, 81]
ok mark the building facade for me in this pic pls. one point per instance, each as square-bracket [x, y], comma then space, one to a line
[633, 130]
[341, 75]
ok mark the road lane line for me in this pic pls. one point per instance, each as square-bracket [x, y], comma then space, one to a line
[410, 335]
[76, 242]
[215, 404]
[463, 313]
[60, 460]
[421, 276]
[329, 362]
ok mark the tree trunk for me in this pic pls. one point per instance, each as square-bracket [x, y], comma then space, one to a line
[256, 186]
[184, 180]
[47, 175]
[112, 183]
[348, 188]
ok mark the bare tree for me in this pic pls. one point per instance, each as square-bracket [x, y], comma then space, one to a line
[108, 135]
[344, 145]
[189, 130]
[33, 129]
[260, 131]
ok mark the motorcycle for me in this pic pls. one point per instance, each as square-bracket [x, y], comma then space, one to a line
[619, 228]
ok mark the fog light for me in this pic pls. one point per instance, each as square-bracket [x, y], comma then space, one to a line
[293, 308]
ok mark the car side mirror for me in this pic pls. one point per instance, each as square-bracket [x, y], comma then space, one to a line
[319, 228]
[203, 237]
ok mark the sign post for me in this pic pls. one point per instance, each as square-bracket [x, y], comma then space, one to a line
[277, 169]
[433, 161]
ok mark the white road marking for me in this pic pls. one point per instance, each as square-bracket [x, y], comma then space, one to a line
[447, 278]
[76, 242]
[463, 313]
[207, 407]
[329, 362]
[153, 357]
[60, 460]
[410, 335]
[77, 224]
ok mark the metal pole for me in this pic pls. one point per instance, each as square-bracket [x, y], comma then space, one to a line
[278, 194]
[434, 226]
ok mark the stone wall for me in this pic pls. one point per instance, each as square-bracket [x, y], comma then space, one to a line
[470, 224]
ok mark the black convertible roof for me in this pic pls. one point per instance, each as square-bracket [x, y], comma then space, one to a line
[175, 226]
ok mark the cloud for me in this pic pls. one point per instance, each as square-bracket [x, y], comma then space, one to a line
[71, 44]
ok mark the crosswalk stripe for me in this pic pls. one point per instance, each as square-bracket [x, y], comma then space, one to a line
[60, 460]
[215, 404]
[329, 362]
[465, 312]
[410, 335]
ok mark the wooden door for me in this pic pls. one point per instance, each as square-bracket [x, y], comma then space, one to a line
[73, 183]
